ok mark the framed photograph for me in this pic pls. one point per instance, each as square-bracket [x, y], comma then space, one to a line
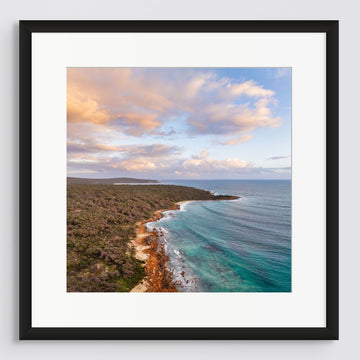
[178, 180]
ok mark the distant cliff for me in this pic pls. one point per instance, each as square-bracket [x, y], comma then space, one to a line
[84, 181]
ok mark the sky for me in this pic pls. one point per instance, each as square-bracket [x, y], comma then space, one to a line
[179, 123]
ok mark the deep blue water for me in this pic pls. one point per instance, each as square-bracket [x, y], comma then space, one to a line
[231, 246]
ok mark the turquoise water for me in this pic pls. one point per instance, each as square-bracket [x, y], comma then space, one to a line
[239, 245]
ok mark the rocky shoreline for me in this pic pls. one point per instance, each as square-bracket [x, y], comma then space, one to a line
[148, 248]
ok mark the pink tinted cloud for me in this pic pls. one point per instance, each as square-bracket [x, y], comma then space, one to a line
[137, 101]
[239, 140]
[230, 119]
[114, 95]
[86, 110]
[248, 88]
[203, 164]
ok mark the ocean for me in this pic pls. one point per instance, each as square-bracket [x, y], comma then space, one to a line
[239, 245]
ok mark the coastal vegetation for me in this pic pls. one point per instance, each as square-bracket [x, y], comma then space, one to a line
[101, 224]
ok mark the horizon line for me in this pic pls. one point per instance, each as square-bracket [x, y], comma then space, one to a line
[197, 179]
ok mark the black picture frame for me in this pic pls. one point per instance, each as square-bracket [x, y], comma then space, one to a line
[26, 329]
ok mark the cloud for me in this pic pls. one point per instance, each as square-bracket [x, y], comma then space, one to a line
[166, 133]
[248, 88]
[282, 72]
[209, 169]
[284, 170]
[110, 109]
[140, 101]
[136, 123]
[85, 110]
[86, 148]
[129, 151]
[118, 97]
[137, 165]
[152, 151]
[230, 119]
[100, 158]
[239, 140]
[194, 85]
[155, 158]
[209, 164]
[278, 157]
[204, 154]
[158, 161]
[204, 164]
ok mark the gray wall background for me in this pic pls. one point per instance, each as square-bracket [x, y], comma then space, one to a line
[347, 11]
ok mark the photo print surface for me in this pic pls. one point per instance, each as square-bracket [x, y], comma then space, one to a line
[179, 179]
